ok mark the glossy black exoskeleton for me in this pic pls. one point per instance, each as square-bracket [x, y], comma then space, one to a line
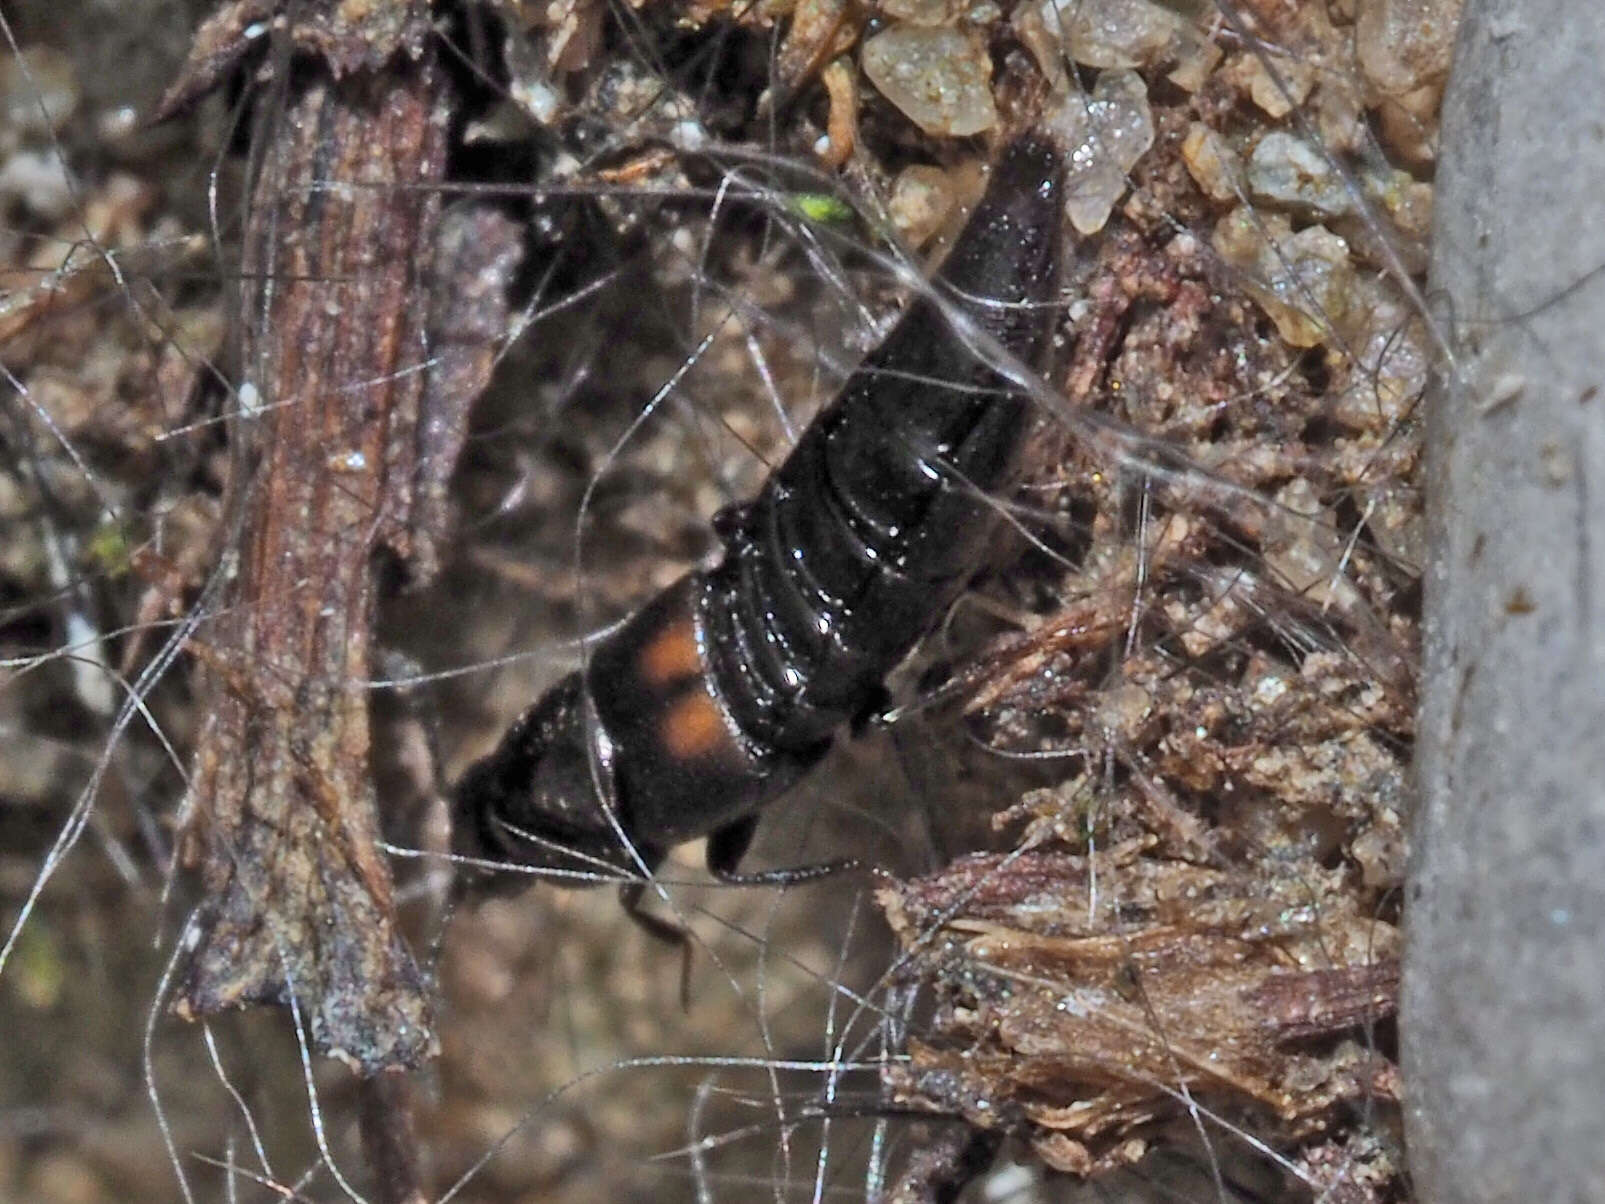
[719, 693]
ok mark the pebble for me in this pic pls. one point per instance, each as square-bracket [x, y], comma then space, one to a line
[939, 78]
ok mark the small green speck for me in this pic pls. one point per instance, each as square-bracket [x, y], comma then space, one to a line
[108, 548]
[822, 207]
[39, 970]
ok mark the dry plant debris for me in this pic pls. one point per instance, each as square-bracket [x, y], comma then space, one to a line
[1085, 999]
[1216, 691]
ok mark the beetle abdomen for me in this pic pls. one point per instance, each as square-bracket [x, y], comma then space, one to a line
[860, 541]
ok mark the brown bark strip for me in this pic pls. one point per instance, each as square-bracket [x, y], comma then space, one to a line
[390, 1138]
[345, 38]
[282, 823]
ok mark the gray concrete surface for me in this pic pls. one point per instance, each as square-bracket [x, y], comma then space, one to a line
[1504, 999]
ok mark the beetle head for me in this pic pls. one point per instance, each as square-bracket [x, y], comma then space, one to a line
[545, 799]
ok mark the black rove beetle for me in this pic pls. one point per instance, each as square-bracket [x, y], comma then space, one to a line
[723, 690]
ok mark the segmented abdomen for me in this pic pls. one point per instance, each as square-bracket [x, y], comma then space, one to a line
[861, 540]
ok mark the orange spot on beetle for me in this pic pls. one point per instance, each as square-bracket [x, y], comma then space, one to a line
[672, 655]
[692, 728]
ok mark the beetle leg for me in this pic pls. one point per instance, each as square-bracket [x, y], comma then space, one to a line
[727, 846]
[630, 896]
